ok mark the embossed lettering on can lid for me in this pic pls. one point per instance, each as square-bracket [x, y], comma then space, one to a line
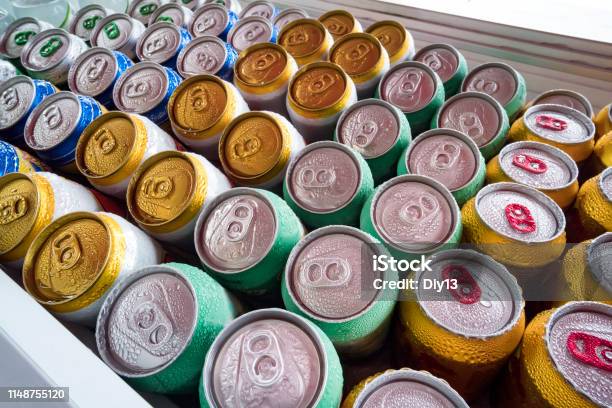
[410, 86]
[495, 79]
[579, 342]
[198, 102]
[46, 50]
[52, 121]
[17, 35]
[249, 31]
[86, 19]
[261, 64]
[141, 10]
[441, 58]
[318, 86]
[210, 19]
[599, 256]
[338, 22]
[140, 88]
[302, 37]
[113, 32]
[567, 98]
[174, 13]
[159, 42]
[605, 183]
[202, 55]
[559, 124]
[261, 8]
[19, 209]
[93, 72]
[288, 15]
[391, 34]
[16, 96]
[356, 53]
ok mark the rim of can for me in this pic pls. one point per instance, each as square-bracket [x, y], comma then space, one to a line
[335, 12]
[567, 92]
[210, 207]
[196, 41]
[552, 150]
[252, 4]
[394, 23]
[136, 3]
[300, 21]
[28, 134]
[72, 81]
[127, 73]
[4, 38]
[604, 238]
[81, 12]
[25, 51]
[108, 19]
[572, 113]
[246, 20]
[365, 238]
[9, 177]
[290, 10]
[610, 112]
[436, 185]
[203, 9]
[347, 37]
[108, 306]
[164, 7]
[496, 268]
[151, 28]
[408, 374]
[534, 194]
[253, 48]
[412, 64]
[9, 83]
[319, 64]
[317, 145]
[254, 316]
[452, 133]
[607, 173]
[444, 46]
[515, 74]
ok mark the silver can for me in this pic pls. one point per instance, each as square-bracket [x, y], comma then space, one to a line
[260, 8]
[142, 10]
[86, 19]
[251, 30]
[18, 34]
[190, 4]
[232, 5]
[172, 13]
[118, 32]
[288, 15]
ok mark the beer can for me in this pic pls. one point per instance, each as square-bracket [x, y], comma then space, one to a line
[515, 224]
[251, 30]
[446, 61]
[157, 324]
[564, 97]
[212, 19]
[244, 237]
[603, 152]
[449, 157]
[307, 40]
[416, 90]
[18, 98]
[256, 148]
[86, 19]
[161, 42]
[15, 160]
[192, 5]
[168, 192]
[594, 203]
[412, 215]
[340, 23]
[118, 32]
[145, 88]
[207, 55]
[29, 203]
[477, 115]
[111, 148]
[219, 100]
[259, 8]
[262, 73]
[398, 41]
[500, 81]
[50, 54]
[378, 131]
[318, 94]
[363, 58]
[175, 13]
[232, 5]
[18, 34]
[271, 357]
[558, 126]
[327, 183]
[585, 270]
[8, 70]
[538, 165]
[288, 15]
[141, 10]
[55, 125]
[603, 121]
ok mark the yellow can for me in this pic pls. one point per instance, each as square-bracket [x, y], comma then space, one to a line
[594, 203]
[340, 23]
[307, 40]
[603, 120]
[603, 152]
[398, 41]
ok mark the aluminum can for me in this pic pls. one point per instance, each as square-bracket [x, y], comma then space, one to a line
[398, 41]
[447, 156]
[167, 316]
[446, 61]
[161, 43]
[251, 30]
[18, 34]
[594, 203]
[18, 98]
[174, 13]
[50, 54]
[538, 165]
[302, 367]
[327, 183]
[363, 58]
[8, 70]
[15, 160]
[259, 8]
[112, 147]
[500, 81]
[603, 152]
[142, 10]
[340, 23]
[559, 126]
[250, 159]
[29, 203]
[86, 19]
[192, 5]
[416, 90]
[378, 131]
[145, 88]
[603, 121]
[207, 55]
[262, 73]
[204, 93]
[318, 94]
[286, 16]
[118, 32]
[477, 115]
[212, 19]
[244, 237]
[307, 40]
[169, 191]
[232, 5]
[564, 97]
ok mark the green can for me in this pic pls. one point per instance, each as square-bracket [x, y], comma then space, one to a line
[448, 156]
[447, 62]
[413, 216]
[378, 131]
[243, 238]
[416, 90]
[271, 358]
[327, 183]
[331, 279]
[156, 326]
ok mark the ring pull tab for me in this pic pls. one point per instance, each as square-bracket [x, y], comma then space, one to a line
[487, 86]
[166, 19]
[262, 358]
[410, 83]
[321, 84]
[316, 177]
[468, 292]
[51, 47]
[112, 30]
[336, 26]
[22, 37]
[367, 133]
[417, 211]
[383, 37]
[445, 156]
[90, 23]
[206, 24]
[434, 61]
[158, 44]
[206, 61]
[96, 69]
[551, 123]
[520, 219]
[10, 99]
[529, 163]
[332, 272]
[265, 61]
[246, 146]
[66, 251]
[591, 350]
[12, 208]
[239, 221]
[359, 52]
[52, 117]
[147, 9]
[254, 33]
[137, 89]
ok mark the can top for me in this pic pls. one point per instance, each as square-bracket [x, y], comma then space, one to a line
[86, 19]
[191, 4]
[228, 4]
[266, 357]
[520, 212]
[141, 10]
[114, 31]
[159, 42]
[474, 113]
[147, 321]
[605, 183]
[210, 19]
[302, 37]
[93, 72]
[559, 124]
[261, 8]
[578, 340]
[141, 87]
[19, 199]
[171, 12]
[599, 256]
[236, 230]
[288, 15]
[409, 85]
[538, 165]
[47, 50]
[17, 35]
[249, 31]
[391, 34]
[565, 97]
[357, 54]
[318, 86]
[16, 97]
[338, 22]
[202, 55]
[260, 64]
[446, 155]
[370, 126]
[443, 59]
[496, 79]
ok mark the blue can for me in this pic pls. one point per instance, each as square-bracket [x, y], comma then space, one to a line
[252, 30]
[212, 19]
[95, 72]
[15, 160]
[207, 55]
[161, 43]
[18, 98]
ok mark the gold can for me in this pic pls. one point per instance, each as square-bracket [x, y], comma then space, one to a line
[398, 41]
[340, 23]
[603, 152]
[603, 121]
[307, 40]
[594, 203]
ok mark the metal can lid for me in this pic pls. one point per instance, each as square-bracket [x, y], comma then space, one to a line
[318, 86]
[288, 15]
[391, 34]
[202, 55]
[302, 37]
[172, 13]
[579, 342]
[565, 97]
[46, 50]
[599, 257]
[19, 199]
[520, 212]
[16, 96]
[261, 64]
[249, 31]
[559, 124]
[93, 72]
[159, 42]
[495, 79]
[198, 103]
[210, 19]
[113, 32]
[141, 10]
[356, 53]
[409, 85]
[538, 165]
[446, 156]
[261, 8]
[443, 59]
[338, 22]
[86, 19]
[605, 183]
[52, 121]
[141, 87]
[17, 35]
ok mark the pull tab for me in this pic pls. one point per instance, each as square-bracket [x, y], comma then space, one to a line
[157, 187]
[10, 99]
[468, 292]
[206, 24]
[529, 163]
[336, 26]
[156, 45]
[254, 33]
[262, 358]
[167, 19]
[90, 22]
[383, 37]
[12, 208]
[112, 30]
[434, 61]
[239, 220]
[410, 83]
[105, 141]
[96, 69]
[246, 146]
[51, 47]
[151, 322]
[445, 156]
[360, 51]
[298, 38]
[207, 61]
[551, 123]
[321, 84]
[316, 177]
[52, 117]
[330, 272]
[520, 219]
[367, 133]
[470, 124]
[420, 209]
[66, 250]
[265, 61]
[147, 9]
[591, 350]
[199, 98]
[22, 37]
[137, 89]
[487, 86]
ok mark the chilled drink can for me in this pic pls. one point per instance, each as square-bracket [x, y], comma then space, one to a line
[174, 13]
[212, 19]
[15, 160]
[18, 34]
[86, 19]
[603, 121]
[602, 152]
[232, 5]
[142, 10]
[564, 97]
[447, 62]
[118, 32]
[260, 8]
[286, 16]
[207, 55]
[162, 42]
[398, 41]
[8, 70]
[340, 23]
[594, 203]
[307, 40]
[192, 5]
[251, 30]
